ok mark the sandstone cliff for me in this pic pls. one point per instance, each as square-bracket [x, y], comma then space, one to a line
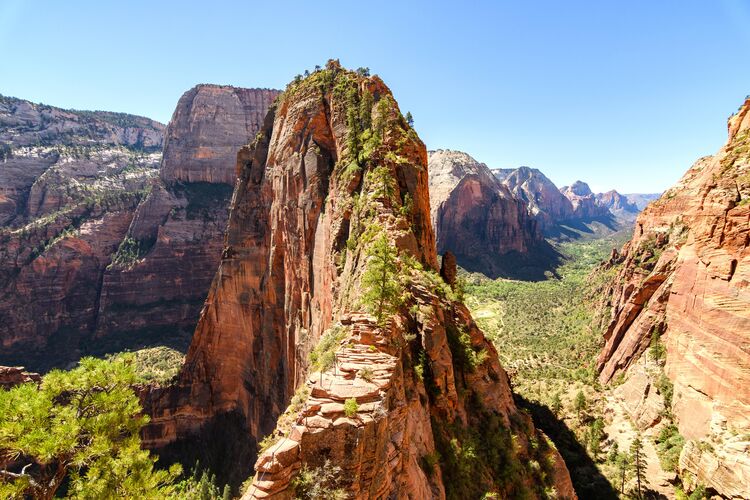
[476, 217]
[683, 281]
[69, 184]
[101, 250]
[546, 203]
[335, 169]
[585, 203]
[174, 242]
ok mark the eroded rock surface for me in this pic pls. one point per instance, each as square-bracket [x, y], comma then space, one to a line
[478, 219]
[335, 167]
[685, 275]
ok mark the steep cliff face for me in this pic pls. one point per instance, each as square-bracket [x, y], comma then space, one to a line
[685, 275]
[476, 217]
[585, 203]
[546, 203]
[175, 240]
[100, 254]
[69, 184]
[335, 170]
[618, 205]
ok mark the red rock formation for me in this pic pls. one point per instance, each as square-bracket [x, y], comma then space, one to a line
[69, 183]
[179, 228]
[82, 253]
[618, 205]
[14, 375]
[335, 165]
[685, 274]
[585, 203]
[545, 202]
[476, 217]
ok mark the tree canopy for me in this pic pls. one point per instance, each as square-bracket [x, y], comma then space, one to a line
[78, 428]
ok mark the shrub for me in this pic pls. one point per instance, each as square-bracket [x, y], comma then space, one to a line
[351, 407]
[319, 483]
[324, 354]
[669, 444]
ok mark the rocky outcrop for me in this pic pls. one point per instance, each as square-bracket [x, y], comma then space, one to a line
[69, 184]
[545, 202]
[176, 236]
[335, 169]
[209, 125]
[101, 253]
[13, 375]
[585, 203]
[618, 205]
[685, 276]
[476, 217]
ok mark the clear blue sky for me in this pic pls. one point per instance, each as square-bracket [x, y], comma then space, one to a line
[622, 94]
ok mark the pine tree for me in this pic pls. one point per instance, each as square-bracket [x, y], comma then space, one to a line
[80, 426]
[580, 403]
[556, 404]
[409, 119]
[622, 462]
[382, 288]
[638, 463]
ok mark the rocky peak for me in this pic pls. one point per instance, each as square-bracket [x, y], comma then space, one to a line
[615, 202]
[578, 188]
[476, 217]
[545, 202]
[740, 121]
[208, 126]
[335, 170]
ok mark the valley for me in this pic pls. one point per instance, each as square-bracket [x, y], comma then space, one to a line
[287, 295]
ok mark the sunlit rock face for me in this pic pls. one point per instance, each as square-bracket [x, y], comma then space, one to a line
[686, 274]
[335, 163]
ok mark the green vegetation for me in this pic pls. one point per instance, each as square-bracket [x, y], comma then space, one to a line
[465, 357]
[319, 483]
[668, 447]
[80, 428]
[351, 407]
[548, 335]
[383, 291]
[638, 464]
[159, 364]
[131, 251]
[324, 355]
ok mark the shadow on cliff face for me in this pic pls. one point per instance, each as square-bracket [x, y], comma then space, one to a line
[588, 482]
[539, 264]
[586, 229]
[66, 347]
[224, 446]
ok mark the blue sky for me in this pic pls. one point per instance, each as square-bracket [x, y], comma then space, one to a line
[622, 94]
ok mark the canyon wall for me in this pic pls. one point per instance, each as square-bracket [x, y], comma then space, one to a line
[476, 217]
[336, 172]
[683, 281]
[102, 249]
[69, 184]
[155, 295]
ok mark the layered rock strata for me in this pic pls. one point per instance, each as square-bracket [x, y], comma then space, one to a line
[476, 217]
[177, 231]
[69, 184]
[335, 169]
[683, 281]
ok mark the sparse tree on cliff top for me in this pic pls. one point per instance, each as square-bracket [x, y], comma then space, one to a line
[80, 426]
[382, 287]
[409, 119]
